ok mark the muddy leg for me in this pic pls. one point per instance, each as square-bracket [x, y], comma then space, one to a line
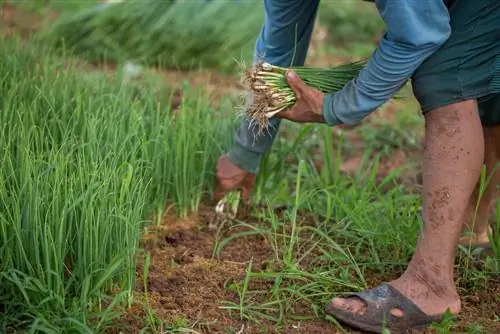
[454, 152]
[476, 225]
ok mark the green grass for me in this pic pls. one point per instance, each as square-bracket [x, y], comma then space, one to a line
[337, 235]
[43, 6]
[326, 243]
[85, 160]
[353, 25]
[155, 33]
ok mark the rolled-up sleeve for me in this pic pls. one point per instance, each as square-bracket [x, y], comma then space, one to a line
[415, 29]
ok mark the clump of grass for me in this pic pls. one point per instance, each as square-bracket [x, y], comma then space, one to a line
[333, 237]
[271, 93]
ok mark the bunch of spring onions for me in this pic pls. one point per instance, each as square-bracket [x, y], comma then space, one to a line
[272, 94]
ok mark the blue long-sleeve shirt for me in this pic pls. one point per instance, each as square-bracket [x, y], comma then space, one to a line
[415, 29]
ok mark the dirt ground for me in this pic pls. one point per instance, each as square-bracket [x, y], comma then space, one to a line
[186, 281]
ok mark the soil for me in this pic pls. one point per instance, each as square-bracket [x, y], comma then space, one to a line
[187, 282]
[15, 20]
[182, 258]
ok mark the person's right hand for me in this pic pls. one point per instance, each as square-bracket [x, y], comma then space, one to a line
[230, 177]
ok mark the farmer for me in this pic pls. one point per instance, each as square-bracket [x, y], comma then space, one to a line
[451, 51]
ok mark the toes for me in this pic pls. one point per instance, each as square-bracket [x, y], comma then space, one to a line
[397, 312]
[338, 302]
[352, 304]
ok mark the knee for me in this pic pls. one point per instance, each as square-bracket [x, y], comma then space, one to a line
[454, 114]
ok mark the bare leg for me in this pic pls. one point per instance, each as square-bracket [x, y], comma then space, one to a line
[476, 228]
[454, 152]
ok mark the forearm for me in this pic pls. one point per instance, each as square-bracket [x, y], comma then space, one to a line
[283, 41]
[415, 30]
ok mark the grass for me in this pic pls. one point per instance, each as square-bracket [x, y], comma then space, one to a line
[334, 238]
[43, 6]
[353, 25]
[85, 161]
[155, 33]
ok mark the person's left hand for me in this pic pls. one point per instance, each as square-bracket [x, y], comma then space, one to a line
[309, 105]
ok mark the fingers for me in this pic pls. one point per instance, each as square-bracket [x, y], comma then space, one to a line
[296, 83]
[247, 187]
[230, 177]
[220, 191]
[225, 186]
[287, 113]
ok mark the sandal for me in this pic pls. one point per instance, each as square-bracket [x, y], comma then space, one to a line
[377, 316]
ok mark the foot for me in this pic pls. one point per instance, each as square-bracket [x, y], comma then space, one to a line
[432, 300]
[478, 246]
[231, 177]
[476, 238]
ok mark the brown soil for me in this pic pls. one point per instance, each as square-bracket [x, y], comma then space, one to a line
[187, 282]
[14, 20]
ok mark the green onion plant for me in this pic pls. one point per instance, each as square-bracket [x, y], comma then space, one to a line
[271, 93]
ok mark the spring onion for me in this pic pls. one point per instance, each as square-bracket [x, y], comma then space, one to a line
[272, 94]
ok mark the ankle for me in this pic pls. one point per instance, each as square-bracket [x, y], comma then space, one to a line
[436, 278]
[432, 296]
[478, 235]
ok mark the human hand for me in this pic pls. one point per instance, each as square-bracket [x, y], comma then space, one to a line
[230, 177]
[309, 105]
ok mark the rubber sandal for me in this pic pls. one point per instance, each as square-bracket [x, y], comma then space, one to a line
[377, 316]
